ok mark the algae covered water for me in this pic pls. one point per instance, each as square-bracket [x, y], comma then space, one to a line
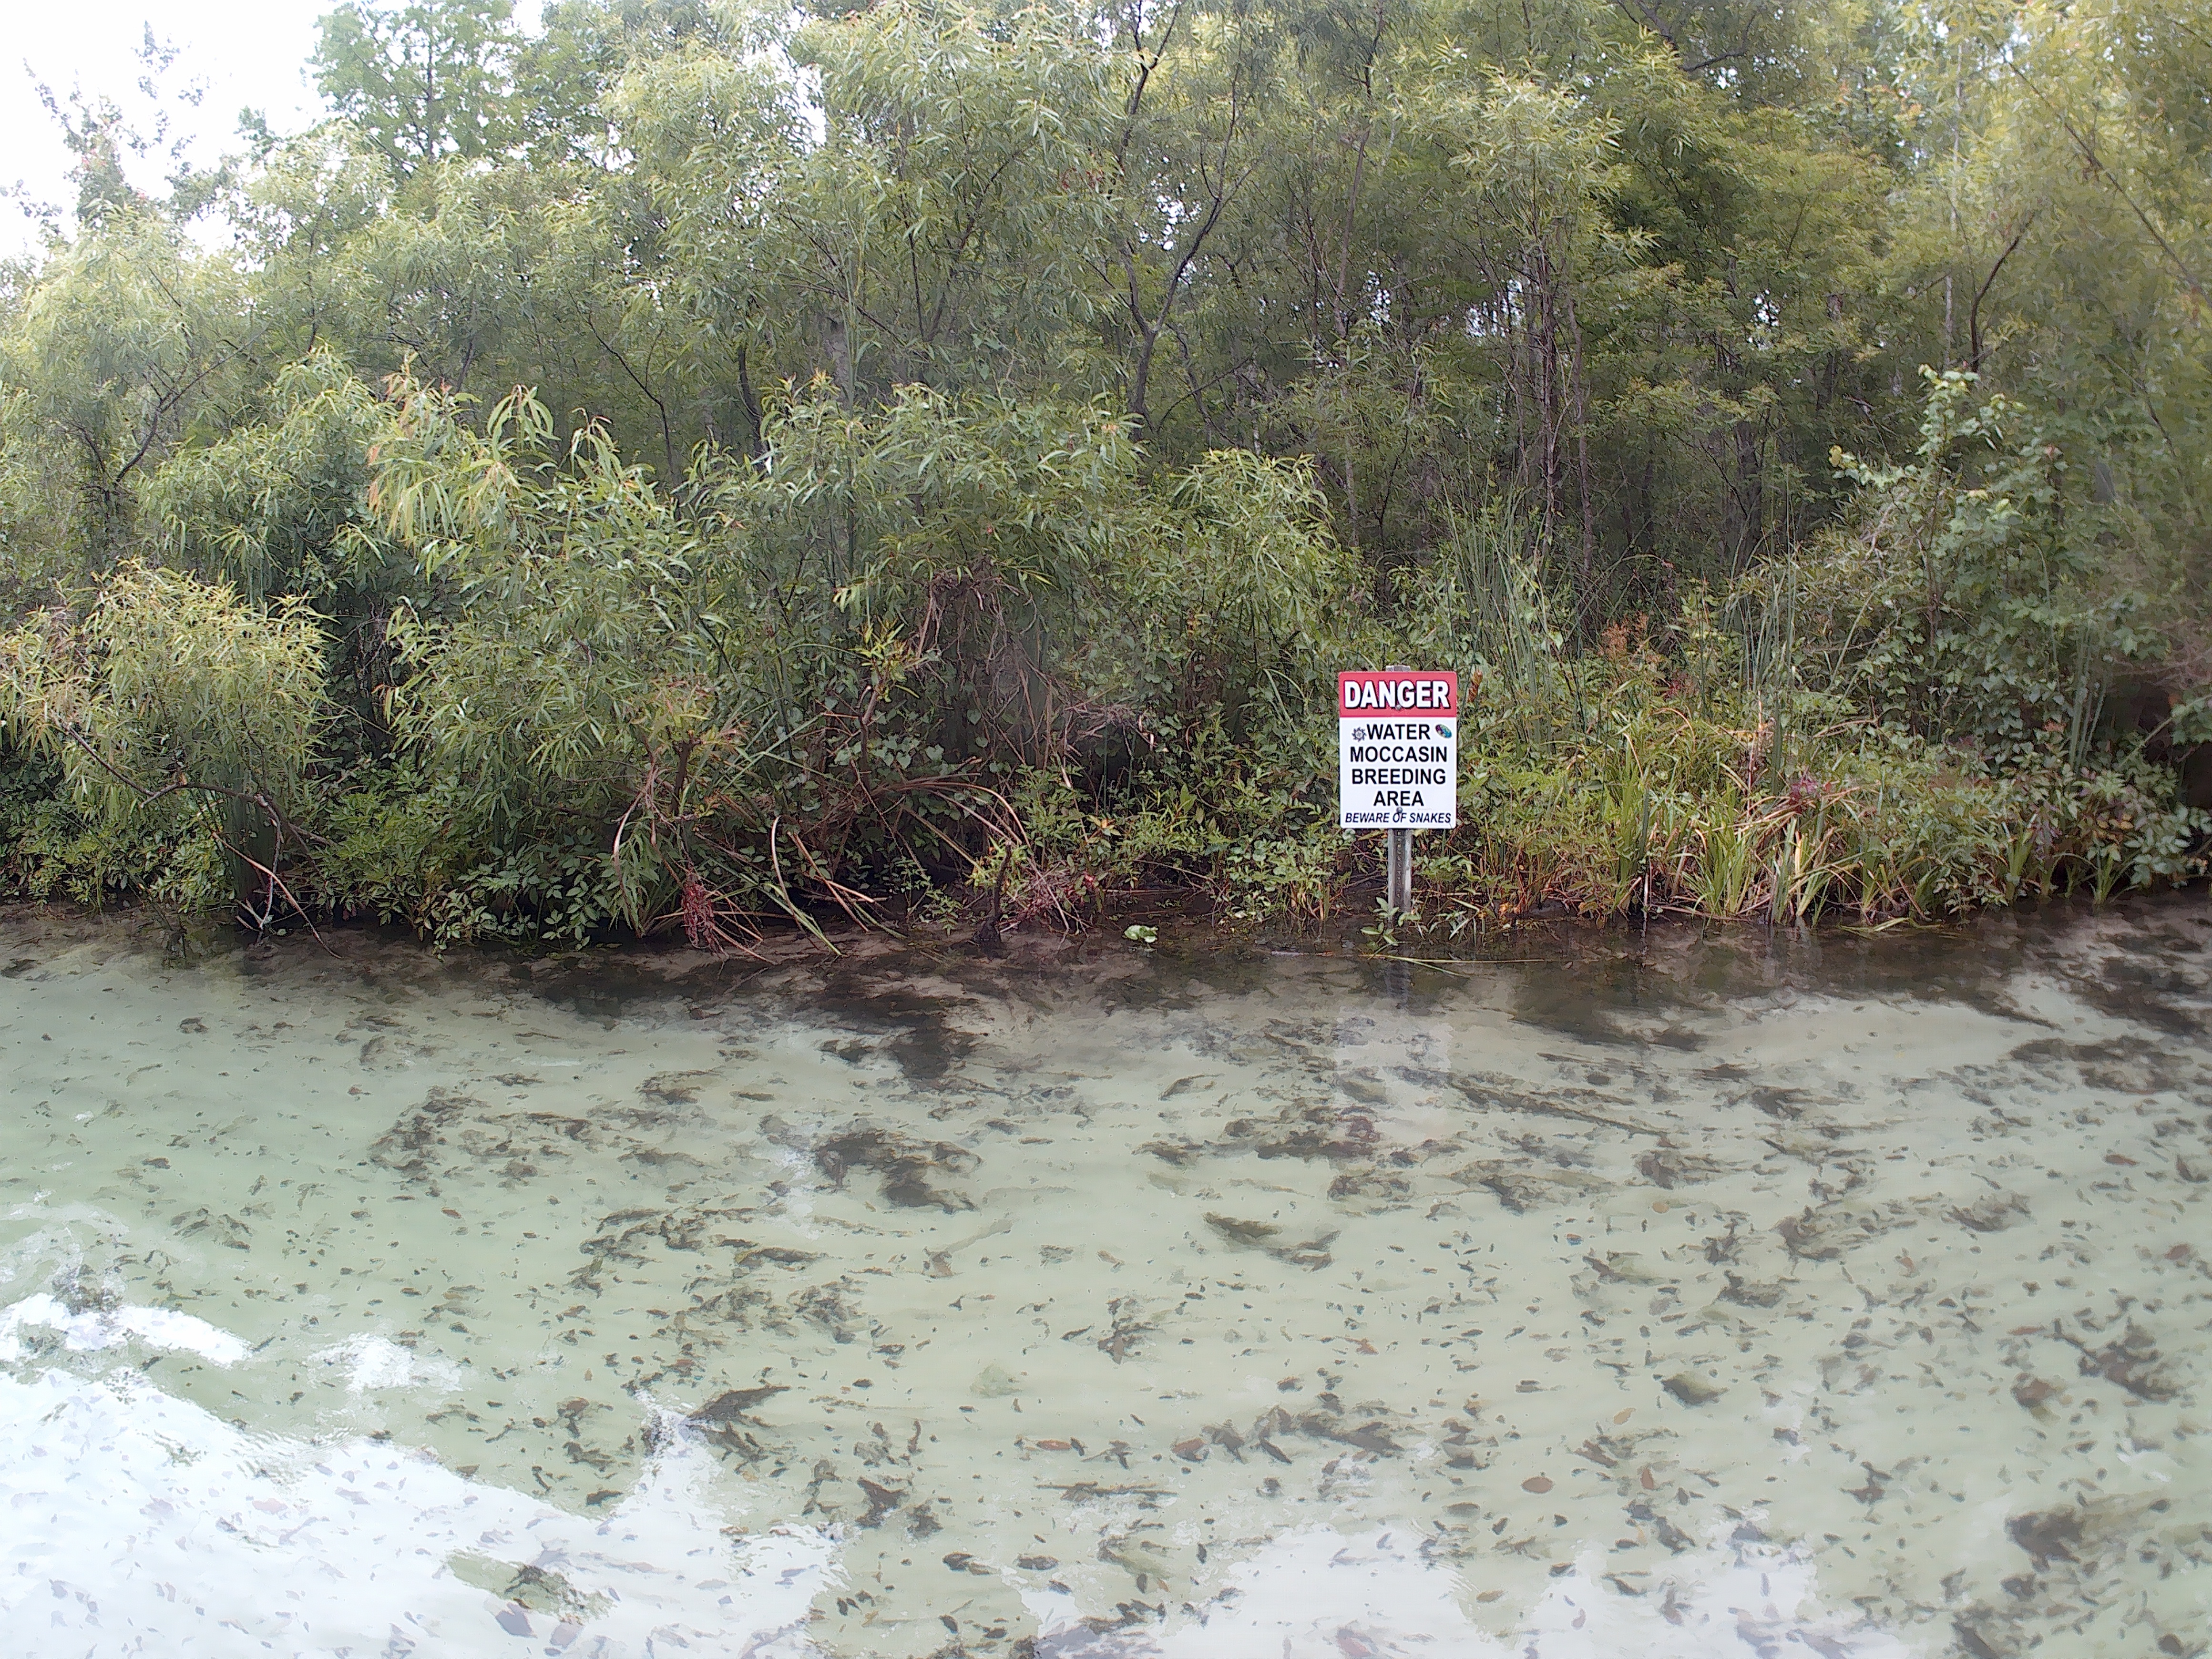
[1690, 1295]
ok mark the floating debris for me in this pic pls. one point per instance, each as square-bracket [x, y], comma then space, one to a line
[733, 1405]
[906, 1164]
[1992, 1213]
[1692, 1389]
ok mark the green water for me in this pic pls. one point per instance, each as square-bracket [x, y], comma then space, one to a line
[1688, 1295]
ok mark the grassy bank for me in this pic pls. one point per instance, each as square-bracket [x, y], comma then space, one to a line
[1605, 784]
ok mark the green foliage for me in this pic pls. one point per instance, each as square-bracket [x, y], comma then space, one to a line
[29, 784]
[277, 505]
[422, 82]
[1982, 603]
[169, 687]
[176, 711]
[123, 344]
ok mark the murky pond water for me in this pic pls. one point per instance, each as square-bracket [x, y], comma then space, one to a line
[1703, 1295]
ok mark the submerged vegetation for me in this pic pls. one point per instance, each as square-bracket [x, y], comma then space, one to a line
[691, 467]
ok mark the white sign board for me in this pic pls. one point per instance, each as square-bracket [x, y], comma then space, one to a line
[1398, 749]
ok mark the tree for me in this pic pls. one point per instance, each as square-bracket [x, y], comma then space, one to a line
[423, 82]
[129, 336]
[176, 706]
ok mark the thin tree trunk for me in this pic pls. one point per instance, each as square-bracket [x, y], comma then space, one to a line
[1344, 276]
[1546, 369]
[1582, 447]
[756, 447]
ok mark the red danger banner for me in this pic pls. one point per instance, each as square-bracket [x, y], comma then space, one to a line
[1397, 749]
[1398, 690]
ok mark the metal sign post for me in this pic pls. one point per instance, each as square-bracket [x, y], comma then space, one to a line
[1397, 760]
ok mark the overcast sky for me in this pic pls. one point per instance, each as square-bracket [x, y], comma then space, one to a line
[243, 52]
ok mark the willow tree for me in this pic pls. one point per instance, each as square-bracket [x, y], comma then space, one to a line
[129, 337]
[177, 711]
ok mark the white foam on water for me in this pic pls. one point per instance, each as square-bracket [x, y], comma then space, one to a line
[142, 1524]
[1727, 1602]
[107, 1328]
[372, 1363]
[1318, 1594]
[1315, 1591]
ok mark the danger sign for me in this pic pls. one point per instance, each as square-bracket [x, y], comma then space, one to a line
[1397, 749]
